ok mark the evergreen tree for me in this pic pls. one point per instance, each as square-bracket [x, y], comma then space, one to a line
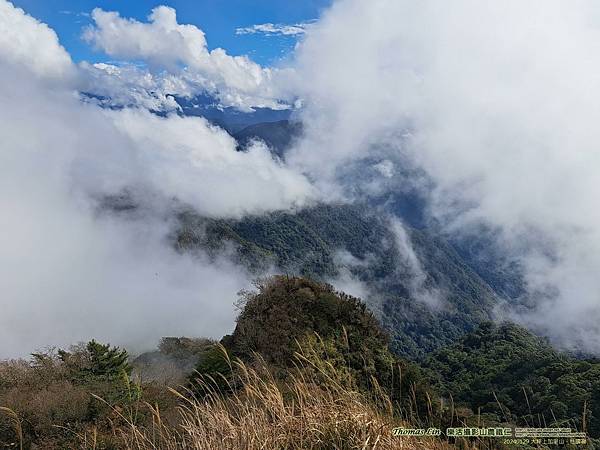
[96, 361]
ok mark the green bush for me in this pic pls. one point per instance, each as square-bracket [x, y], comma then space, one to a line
[289, 317]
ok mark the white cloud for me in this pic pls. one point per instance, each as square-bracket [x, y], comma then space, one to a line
[417, 282]
[346, 282]
[161, 41]
[385, 168]
[26, 42]
[275, 29]
[71, 272]
[199, 164]
[501, 100]
[182, 51]
[68, 274]
[68, 12]
[128, 85]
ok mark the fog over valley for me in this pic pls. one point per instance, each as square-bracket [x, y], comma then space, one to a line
[470, 129]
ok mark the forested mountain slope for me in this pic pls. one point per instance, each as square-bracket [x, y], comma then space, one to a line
[277, 135]
[505, 373]
[330, 242]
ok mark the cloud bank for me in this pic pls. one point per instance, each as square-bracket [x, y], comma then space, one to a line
[494, 105]
[497, 102]
[69, 269]
[181, 52]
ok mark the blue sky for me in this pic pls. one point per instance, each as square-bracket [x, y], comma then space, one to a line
[217, 18]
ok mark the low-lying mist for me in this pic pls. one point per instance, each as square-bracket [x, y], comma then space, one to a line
[498, 103]
[487, 109]
[72, 270]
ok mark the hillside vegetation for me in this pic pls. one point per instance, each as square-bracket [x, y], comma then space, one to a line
[277, 135]
[506, 374]
[306, 367]
[322, 241]
[290, 315]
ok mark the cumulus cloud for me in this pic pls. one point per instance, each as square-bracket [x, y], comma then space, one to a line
[26, 42]
[182, 50]
[161, 41]
[497, 102]
[275, 29]
[71, 270]
[126, 85]
[199, 164]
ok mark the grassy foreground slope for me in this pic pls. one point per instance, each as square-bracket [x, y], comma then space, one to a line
[306, 367]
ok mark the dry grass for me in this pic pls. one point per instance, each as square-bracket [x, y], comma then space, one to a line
[303, 413]
[315, 408]
[16, 424]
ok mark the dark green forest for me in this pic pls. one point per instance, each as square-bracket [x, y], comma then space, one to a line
[505, 373]
[307, 242]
